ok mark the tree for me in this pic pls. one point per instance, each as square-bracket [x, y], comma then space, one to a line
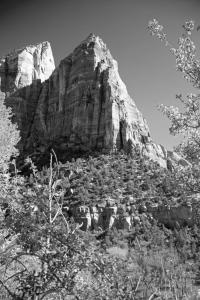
[187, 121]
[9, 137]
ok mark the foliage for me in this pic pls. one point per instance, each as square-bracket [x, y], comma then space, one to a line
[49, 252]
[118, 178]
[9, 137]
[186, 122]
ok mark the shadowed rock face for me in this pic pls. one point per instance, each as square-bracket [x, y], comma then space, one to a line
[83, 105]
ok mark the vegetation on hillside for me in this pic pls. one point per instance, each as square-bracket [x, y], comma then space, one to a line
[45, 255]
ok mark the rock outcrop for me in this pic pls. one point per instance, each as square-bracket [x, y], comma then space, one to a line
[103, 217]
[127, 216]
[81, 105]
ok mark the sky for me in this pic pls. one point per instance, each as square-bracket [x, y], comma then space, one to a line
[145, 65]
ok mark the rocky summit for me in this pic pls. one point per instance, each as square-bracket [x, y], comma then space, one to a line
[82, 105]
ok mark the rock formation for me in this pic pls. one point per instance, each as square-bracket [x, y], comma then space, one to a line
[83, 105]
[102, 217]
[126, 216]
[22, 73]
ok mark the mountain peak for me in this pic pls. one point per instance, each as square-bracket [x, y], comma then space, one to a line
[82, 106]
[91, 37]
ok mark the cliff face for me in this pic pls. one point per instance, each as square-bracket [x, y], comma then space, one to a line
[82, 105]
[22, 73]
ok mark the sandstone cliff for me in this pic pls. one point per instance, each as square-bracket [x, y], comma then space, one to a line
[83, 105]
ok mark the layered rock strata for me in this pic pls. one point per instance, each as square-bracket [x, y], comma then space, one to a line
[81, 105]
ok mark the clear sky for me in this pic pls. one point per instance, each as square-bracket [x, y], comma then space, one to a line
[145, 65]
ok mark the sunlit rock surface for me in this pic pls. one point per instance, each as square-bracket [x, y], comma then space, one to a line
[22, 67]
